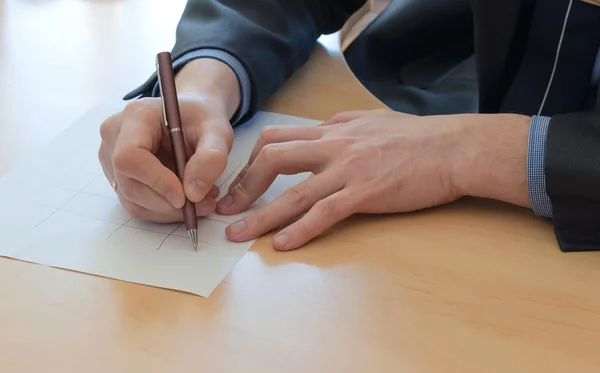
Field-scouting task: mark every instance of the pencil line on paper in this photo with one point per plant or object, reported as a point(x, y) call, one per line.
point(169, 235)
point(231, 175)
point(121, 226)
point(216, 220)
point(98, 195)
point(90, 217)
point(63, 205)
point(46, 218)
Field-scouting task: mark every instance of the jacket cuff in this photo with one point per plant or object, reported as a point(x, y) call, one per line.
point(150, 88)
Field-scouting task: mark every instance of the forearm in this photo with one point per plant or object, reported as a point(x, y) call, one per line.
point(491, 159)
point(211, 78)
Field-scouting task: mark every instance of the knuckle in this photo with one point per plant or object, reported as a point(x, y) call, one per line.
point(107, 129)
point(259, 220)
point(269, 154)
point(242, 190)
point(123, 159)
point(100, 154)
point(144, 109)
point(158, 182)
point(138, 106)
point(104, 158)
point(303, 230)
point(298, 195)
point(327, 206)
point(215, 158)
point(356, 160)
point(340, 142)
point(338, 117)
point(267, 134)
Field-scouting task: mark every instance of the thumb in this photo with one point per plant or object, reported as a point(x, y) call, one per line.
point(206, 165)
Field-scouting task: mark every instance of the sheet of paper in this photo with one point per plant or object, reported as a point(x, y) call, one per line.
point(59, 210)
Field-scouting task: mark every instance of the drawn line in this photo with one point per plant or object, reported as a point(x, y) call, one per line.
point(231, 175)
point(122, 225)
point(100, 219)
point(99, 195)
point(63, 205)
point(169, 235)
point(47, 217)
point(81, 191)
point(216, 220)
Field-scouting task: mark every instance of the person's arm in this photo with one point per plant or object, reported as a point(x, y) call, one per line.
point(564, 173)
point(572, 174)
point(268, 40)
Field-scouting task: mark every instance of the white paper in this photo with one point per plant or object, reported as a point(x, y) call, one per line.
point(57, 209)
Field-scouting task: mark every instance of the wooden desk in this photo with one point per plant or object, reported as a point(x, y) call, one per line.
point(471, 287)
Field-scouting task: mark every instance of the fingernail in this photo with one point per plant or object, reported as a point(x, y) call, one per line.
point(238, 227)
point(226, 201)
point(281, 241)
point(198, 188)
point(175, 199)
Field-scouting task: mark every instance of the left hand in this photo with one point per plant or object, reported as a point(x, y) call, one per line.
point(376, 162)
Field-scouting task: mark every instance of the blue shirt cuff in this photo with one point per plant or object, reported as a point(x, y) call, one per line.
point(536, 178)
point(232, 62)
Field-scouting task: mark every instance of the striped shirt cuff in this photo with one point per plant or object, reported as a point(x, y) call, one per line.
point(536, 178)
point(232, 62)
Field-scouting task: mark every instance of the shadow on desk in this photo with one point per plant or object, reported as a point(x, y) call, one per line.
point(429, 232)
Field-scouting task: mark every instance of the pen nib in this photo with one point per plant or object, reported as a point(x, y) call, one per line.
point(193, 233)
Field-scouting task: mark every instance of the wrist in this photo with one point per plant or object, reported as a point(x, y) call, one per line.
point(212, 79)
point(491, 161)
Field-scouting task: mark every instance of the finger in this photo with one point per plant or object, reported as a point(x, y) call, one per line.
point(214, 192)
point(109, 132)
point(346, 116)
point(142, 195)
point(110, 128)
point(349, 116)
point(204, 208)
point(133, 157)
point(292, 203)
point(208, 162)
point(278, 134)
point(239, 177)
point(104, 156)
point(139, 194)
point(273, 160)
point(322, 216)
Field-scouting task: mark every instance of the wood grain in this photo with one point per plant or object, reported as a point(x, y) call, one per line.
point(475, 286)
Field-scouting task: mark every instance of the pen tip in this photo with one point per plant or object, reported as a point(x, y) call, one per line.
point(193, 233)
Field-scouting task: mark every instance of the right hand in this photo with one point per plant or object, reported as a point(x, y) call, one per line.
point(136, 153)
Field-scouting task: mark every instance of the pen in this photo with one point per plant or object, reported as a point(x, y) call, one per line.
point(172, 119)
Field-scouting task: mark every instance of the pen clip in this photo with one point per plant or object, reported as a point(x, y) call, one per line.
point(160, 87)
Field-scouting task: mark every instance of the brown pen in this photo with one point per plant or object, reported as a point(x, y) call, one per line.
point(172, 119)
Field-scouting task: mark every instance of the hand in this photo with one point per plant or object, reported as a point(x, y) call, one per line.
point(136, 150)
point(376, 162)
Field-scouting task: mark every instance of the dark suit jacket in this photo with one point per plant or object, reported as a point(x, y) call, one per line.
point(419, 56)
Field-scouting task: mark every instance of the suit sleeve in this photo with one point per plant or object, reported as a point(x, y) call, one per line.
point(572, 167)
point(270, 38)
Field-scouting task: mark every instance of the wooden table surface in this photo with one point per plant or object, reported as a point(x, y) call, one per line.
point(470, 287)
